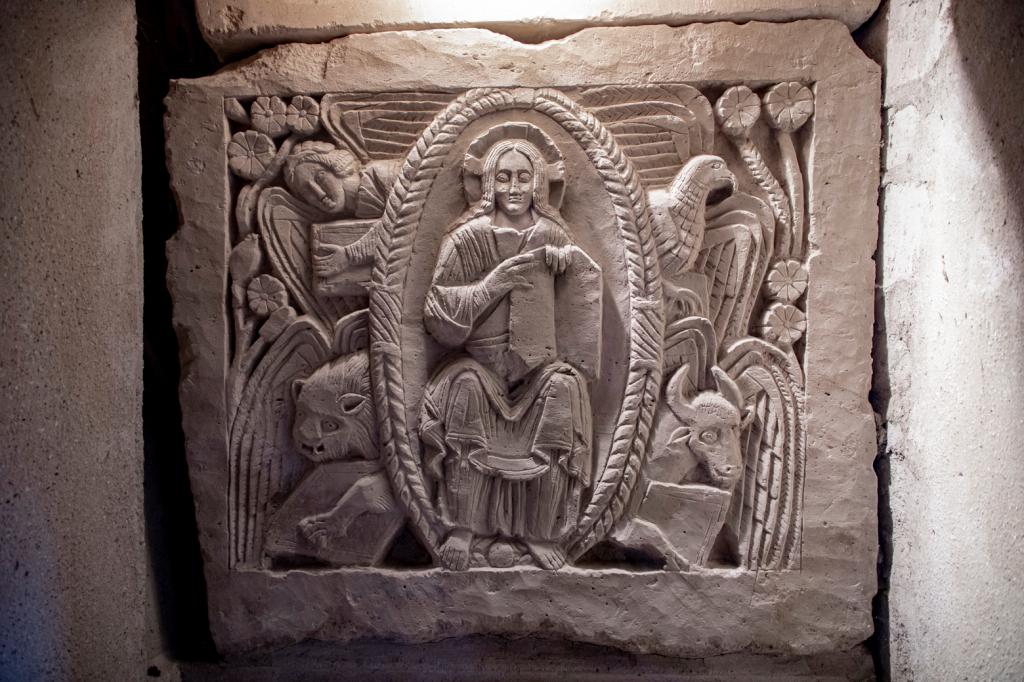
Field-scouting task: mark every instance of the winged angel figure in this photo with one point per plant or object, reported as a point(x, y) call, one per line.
point(723, 476)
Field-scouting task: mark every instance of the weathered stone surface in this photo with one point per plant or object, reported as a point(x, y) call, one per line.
point(949, 361)
point(619, 177)
point(473, 659)
point(74, 599)
point(233, 27)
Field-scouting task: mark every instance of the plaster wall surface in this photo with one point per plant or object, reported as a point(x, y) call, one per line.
point(72, 556)
point(949, 361)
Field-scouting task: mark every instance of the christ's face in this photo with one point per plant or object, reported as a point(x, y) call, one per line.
point(513, 183)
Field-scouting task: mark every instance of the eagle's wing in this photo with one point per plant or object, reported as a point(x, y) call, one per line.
point(764, 521)
point(734, 257)
point(285, 225)
point(659, 127)
point(380, 125)
point(262, 460)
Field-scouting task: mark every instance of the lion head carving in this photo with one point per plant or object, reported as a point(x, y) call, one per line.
point(334, 413)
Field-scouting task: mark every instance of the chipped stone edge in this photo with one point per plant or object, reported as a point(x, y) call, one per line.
point(234, 28)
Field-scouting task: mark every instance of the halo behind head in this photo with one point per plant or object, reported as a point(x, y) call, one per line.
point(473, 164)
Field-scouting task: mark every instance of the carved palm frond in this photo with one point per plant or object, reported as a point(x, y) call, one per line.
point(262, 460)
point(764, 521)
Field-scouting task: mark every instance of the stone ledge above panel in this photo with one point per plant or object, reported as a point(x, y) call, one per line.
point(237, 27)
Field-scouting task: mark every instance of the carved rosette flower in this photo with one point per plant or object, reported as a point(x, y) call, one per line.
point(266, 295)
point(269, 115)
point(303, 115)
point(737, 110)
point(784, 324)
point(787, 106)
point(787, 281)
point(249, 154)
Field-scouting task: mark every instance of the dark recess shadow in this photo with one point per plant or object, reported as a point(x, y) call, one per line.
point(170, 46)
point(868, 38)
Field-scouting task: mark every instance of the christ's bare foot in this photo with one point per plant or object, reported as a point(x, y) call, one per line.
point(455, 550)
point(548, 555)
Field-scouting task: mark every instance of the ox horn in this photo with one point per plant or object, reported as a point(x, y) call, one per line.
point(680, 388)
point(728, 388)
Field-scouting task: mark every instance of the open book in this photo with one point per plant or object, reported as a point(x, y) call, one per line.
point(690, 516)
point(353, 280)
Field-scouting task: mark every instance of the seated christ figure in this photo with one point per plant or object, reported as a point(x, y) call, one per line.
point(506, 423)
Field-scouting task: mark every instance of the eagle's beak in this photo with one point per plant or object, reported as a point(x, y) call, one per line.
point(722, 187)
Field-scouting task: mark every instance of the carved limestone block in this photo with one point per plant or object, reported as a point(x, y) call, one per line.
point(234, 27)
point(473, 343)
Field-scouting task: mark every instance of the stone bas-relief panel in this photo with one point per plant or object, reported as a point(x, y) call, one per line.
point(497, 464)
point(480, 337)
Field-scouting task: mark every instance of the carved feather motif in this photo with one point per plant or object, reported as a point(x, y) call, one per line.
point(734, 257)
point(380, 125)
point(659, 127)
point(765, 517)
point(285, 225)
point(260, 445)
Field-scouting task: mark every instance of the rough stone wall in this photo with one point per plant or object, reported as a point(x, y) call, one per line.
point(72, 554)
point(949, 359)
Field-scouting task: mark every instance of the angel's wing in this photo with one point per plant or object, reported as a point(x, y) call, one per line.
point(659, 127)
point(380, 125)
point(262, 460)
point(734, 257)
point(285, 225)
point(764, 519)
point(352, 333)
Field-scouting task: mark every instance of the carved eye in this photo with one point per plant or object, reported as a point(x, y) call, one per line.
point(524, 176)
point(503, 177)
point(709, 436)
point(320, 175)
point(350, 402)
point(328, 426)
point(717, 165)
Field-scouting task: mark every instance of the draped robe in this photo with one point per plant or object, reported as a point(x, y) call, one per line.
point(507, 432)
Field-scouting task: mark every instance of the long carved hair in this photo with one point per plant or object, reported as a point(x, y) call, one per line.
point(339, 161)
point(539, 188)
